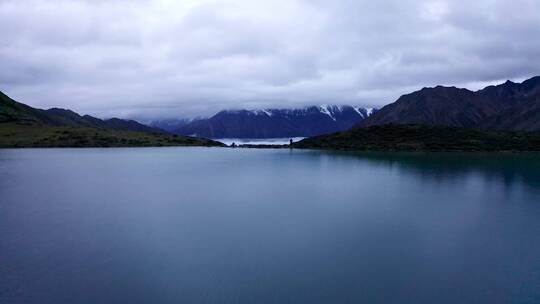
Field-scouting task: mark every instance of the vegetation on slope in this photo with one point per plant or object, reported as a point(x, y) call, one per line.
point(423, 138)
point(24, 126)
point(13, 135)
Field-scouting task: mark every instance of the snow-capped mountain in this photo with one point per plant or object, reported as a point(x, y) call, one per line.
point(274, 123)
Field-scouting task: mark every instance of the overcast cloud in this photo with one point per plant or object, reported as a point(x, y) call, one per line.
point(165, 58)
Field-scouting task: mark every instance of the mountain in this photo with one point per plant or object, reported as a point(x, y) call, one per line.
point(509, 106)
point(405, 137)
point(171, 125)
point(24, 126)
point(274, 123)
point(12, 111)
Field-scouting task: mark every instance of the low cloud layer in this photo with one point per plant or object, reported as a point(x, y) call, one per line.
point(168, 58)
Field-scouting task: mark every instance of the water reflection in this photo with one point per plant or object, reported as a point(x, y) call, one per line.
point(508, 169)
point(194, 225)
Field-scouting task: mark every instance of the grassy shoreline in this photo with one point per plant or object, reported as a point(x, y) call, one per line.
point(389, 138)
point(418, 138)
point(13, 135)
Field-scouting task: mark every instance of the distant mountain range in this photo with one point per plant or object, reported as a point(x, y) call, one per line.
point(24, 126)
point(270, 123)
point(509, 106)
point(495, 118)
point(170, 125)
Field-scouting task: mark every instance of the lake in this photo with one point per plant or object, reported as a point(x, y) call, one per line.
point(217, 225)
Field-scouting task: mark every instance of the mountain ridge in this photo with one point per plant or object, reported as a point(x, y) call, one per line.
point(508, 106)
point(25, 126)
point(273, 123)
point(13, 111)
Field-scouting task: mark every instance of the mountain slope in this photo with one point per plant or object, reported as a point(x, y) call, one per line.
point(170, 125)
point(274, 123)
point(509, 106)
point(13, 111)
point(24, 126)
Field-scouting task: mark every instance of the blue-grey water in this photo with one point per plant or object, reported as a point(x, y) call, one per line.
point(215, 225)
point(259, 141)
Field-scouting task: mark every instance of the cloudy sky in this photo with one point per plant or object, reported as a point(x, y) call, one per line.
point(177, 58)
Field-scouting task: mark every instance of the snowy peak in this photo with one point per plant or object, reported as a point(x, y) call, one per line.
point(269, 123)
point(336, 117)
point(332, 111)
point(328, 110)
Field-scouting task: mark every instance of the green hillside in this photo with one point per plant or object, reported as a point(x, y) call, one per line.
point(423, 138)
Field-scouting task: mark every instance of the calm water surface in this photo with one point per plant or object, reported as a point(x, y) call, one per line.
point(259, 141)
point(213, 225)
